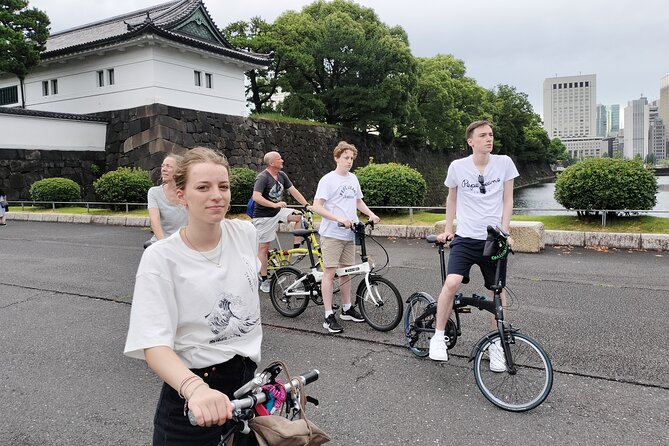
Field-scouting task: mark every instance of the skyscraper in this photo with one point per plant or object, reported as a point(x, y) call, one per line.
point(570, 113)
point(636, 128)
point(657, 139)
point(613, 118)
point(663, 103)
point(602, 121)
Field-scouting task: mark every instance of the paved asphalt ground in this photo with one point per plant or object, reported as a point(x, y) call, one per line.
point(65, 293)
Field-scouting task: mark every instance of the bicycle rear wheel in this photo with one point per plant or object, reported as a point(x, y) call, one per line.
point(289, 296)
point(418, 333)
point(383, 308)
point(526, 387)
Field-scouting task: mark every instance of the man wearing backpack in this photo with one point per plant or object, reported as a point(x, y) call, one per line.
point(271, 209)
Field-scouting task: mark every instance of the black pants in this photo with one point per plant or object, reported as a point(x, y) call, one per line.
point(172, 428)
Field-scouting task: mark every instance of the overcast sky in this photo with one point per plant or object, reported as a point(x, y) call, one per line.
point(514, 42)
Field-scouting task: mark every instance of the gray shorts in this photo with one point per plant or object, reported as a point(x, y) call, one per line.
point(267, 226)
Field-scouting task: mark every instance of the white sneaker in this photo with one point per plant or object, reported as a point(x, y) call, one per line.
point(264, 286)
point(438, 350)
point(496, 354)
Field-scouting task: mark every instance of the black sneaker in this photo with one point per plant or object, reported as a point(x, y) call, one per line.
point(352, 315)
point(332, 325)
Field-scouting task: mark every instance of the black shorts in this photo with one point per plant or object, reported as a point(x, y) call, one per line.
point(465, 252)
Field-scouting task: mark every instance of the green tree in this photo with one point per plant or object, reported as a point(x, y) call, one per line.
point(606, 183)
point(345, 67)
point(512, 113)
point(443, 103)
point(23, 34)
point(257, 36)
point(557, 151)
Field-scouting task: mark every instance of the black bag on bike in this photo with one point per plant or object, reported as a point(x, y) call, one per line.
point(277, 430)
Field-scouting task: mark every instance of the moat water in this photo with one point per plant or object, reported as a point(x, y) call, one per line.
point(541, 196)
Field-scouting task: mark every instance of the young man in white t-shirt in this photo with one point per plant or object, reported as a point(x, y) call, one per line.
point(338, 198)
point(480, 193)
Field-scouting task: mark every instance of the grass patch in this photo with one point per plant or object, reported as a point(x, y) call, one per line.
point(643, 224)
point(281, 118)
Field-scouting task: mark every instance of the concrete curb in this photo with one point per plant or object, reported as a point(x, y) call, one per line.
point(636, 241)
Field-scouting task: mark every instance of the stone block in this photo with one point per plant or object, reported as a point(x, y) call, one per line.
point(613, 239)
point(19, 216)
point(655, 242)
point(141, 222)
point(528, 236)
point(564, 238)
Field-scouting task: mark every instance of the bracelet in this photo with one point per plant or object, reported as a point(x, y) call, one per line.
point(190, 383)
point(202, 383)
point(183, 382)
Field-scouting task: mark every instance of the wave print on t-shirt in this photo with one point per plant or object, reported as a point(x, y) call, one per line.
point(228, 320)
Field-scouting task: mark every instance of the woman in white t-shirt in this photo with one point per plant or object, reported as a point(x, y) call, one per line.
point(166, 214)
point(195, 314)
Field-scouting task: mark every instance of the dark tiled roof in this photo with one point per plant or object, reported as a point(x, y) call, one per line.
point(47, 114)
point(161, 19)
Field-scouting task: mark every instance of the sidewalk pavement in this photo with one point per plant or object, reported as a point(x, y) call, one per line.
point(636, 241)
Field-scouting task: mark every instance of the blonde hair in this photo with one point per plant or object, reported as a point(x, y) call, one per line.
point(195, 156)
point(342, 147)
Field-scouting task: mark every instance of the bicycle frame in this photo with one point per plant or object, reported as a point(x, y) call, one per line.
point(284, 257)
point(365, 267)
point(462, 303)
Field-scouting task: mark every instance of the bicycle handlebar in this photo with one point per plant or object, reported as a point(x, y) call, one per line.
point(493, 232)
point(359, 224)
point(256, 395)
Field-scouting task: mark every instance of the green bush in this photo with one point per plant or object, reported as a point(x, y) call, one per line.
point(606, 183)
point(391, 184)
point(242, 180)
point(55, 189)
point(123, 185)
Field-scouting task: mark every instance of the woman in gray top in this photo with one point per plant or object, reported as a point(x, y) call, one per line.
point(167, 215)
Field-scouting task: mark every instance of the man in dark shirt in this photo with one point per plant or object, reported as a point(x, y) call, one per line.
point(271, 209)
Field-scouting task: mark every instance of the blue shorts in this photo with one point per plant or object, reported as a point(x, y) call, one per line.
point(465, 252)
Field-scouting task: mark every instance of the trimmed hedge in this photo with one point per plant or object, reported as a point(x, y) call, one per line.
point(391, 184)
point(606, 183)
point(123, 185)
point(55, 189)
point(242, 180)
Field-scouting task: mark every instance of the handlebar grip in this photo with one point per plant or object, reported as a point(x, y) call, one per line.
point(431, 238)
point(310, 376)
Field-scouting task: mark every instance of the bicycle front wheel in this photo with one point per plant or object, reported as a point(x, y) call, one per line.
point(289, 296)
point(520, 389)
point(381, 305)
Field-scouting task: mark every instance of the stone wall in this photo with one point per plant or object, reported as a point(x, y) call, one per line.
point(19, 168)
point(141, 137)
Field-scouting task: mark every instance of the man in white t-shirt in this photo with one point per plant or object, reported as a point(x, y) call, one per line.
point(480, 193)
point(338, 198)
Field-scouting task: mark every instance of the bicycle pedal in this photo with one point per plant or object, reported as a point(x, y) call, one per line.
point(465, 310)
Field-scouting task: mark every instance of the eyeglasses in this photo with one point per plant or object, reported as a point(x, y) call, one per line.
point(482, 185)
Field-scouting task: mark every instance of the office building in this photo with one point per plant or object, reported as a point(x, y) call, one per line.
point(570, 113)
point(663, 103)
point(636, 116)
point(613, 118)
point(657, 139)
point(602, 121)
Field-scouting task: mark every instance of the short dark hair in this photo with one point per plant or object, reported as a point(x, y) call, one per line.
point(474, 125)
